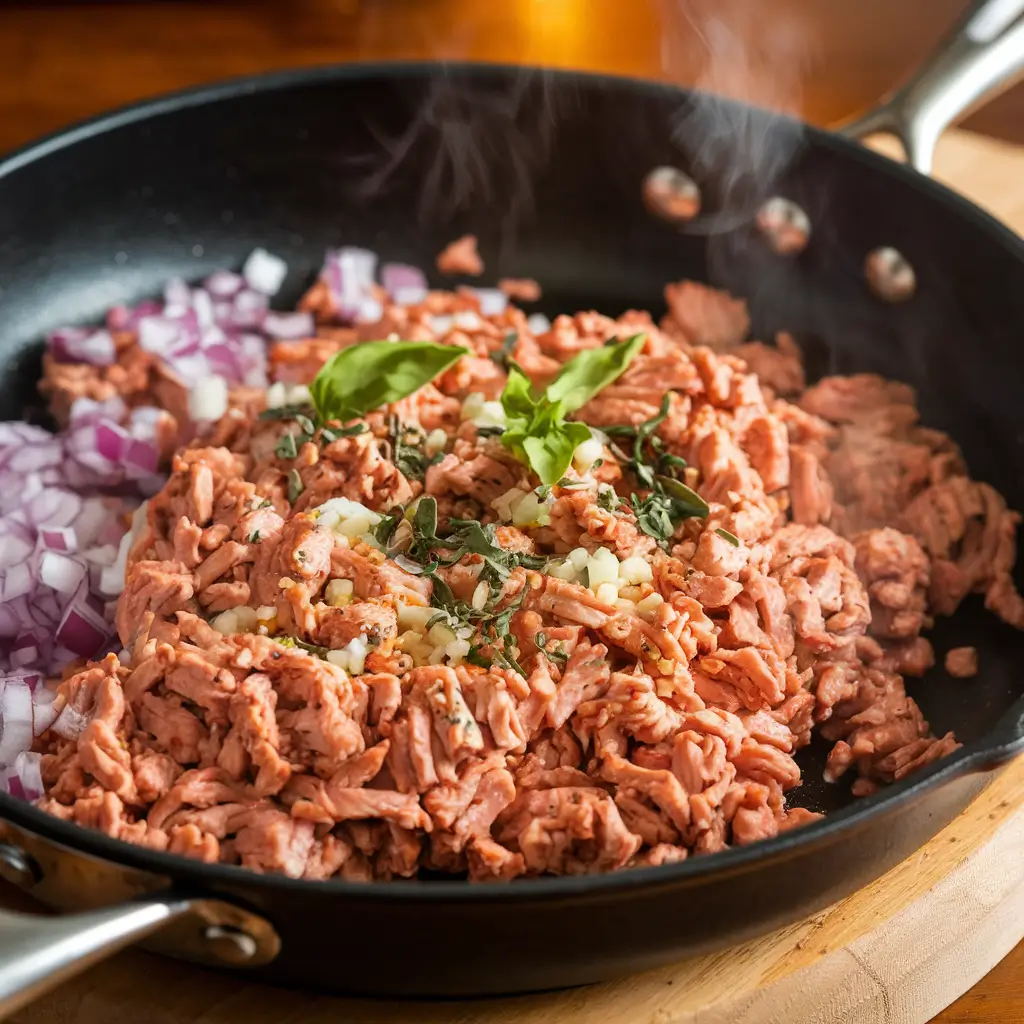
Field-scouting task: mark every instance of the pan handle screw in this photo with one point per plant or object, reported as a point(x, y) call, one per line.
point(889, 274)
point(671, 195)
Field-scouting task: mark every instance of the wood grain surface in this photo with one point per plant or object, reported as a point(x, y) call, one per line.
point(824, 58)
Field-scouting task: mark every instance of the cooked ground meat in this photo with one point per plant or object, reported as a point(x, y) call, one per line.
point(299, 697)
point(962, 662)
point(461, 257)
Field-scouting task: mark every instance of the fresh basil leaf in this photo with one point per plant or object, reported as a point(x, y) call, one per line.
point(295, 486)
point(551, 453)
point(590, 371)
point(517, 398)
point(366, 376)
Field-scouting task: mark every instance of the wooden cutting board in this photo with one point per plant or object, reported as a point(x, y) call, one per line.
point(898, 951)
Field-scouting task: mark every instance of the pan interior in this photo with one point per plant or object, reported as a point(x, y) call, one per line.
point(547, 169)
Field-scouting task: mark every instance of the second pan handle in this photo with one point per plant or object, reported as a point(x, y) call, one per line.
point(980, 57)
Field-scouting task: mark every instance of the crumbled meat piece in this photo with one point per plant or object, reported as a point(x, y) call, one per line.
point(962, 662)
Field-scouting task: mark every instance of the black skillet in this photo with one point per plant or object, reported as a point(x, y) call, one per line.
point(378, 156)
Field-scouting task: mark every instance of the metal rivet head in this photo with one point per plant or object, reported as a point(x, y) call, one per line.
point(232, 945)
point(671, 195)
point(889, 275)
point(17, 867)
point(784, 225)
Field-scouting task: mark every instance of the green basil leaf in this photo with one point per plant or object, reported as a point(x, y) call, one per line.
point(517, 399)
point(590, 371)
point(551, 453)
point(364, 377)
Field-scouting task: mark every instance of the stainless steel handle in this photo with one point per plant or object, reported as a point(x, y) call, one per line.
point(980, 57)
point(38, 952)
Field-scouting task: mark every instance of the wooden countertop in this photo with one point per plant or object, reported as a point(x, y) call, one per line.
point(63, 61)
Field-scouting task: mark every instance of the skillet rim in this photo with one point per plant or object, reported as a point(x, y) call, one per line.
point(1002, 742)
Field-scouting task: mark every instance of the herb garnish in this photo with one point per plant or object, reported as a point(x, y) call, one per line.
point(537, 431)
point(502, 356)
point(730, 537)
point(363, 377)
point(293, 641)
point(407, 450)
point(295, 486)
point(286, 447)
point(647, 456)
point(668, 504)
point(555, 654)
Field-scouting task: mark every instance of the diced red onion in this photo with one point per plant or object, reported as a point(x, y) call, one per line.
point(15, 719)
point(222, 284)
point(202, 304)
point(248, 308)
point(58, 538)
point(264, 272)
point(349, 275)
point(18, 581)
point(289, 326)
point(405, 284)
point(61, 573)
point(18, 433)
point(177, 297)
point(538, 323)
point(440, 324)
point(85, 410)
point(492, 301)
point(14, 549)
point(370, 310)
point(82, 630)
point(26, 771)
point(82, 345)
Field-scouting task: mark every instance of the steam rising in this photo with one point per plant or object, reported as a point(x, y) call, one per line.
point(734, 151)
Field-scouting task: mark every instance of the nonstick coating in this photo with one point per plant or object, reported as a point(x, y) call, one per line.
point(546, 168)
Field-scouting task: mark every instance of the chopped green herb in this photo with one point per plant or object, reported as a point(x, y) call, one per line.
point(295, 486)
point(285, 448)
point(607, 499)
point(660, 513)
point(730, 537)
point(476, 657)
point(385, 529)
point(331, 434)
point(285, 412)
point(305, 424)
point(254, 537)
point(363, 377)
point(502, 355)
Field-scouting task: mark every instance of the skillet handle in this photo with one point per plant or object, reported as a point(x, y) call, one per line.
point(38, 952)
point(981, 56)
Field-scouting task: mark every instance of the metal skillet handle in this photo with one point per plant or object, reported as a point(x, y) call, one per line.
point(983, 55)
point(38, 952)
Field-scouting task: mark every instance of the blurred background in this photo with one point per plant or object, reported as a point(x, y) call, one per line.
point(822, 59)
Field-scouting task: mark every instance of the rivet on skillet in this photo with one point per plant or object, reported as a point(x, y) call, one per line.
point(232, 945)
point(671, 195)
point(17, 867)
point(889, 275)
point(784, 225)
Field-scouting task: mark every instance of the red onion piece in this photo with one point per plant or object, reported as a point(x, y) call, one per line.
point(492, 301)
point(289, 326)
point(26, 769)
point(222, 284)
point(15, 719)
point(349, 275)
point(58, 538)
point(82, 345)
point(70, 723)
point(82, 629)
